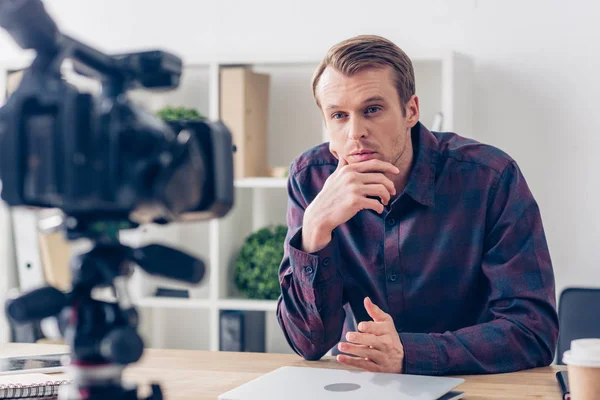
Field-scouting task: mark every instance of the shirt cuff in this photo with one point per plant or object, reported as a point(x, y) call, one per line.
point(420, 354)
point(313, 268)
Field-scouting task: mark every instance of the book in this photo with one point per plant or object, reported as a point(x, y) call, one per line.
point(27, 252)
point(31, 386)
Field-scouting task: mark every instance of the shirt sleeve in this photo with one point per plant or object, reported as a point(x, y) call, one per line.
point(309, 310)
point(520, 328)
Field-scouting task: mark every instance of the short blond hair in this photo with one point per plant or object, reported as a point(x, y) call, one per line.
point(369, 51)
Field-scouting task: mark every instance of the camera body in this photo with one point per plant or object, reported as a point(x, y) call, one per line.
point(100, 156)
point(103, 155)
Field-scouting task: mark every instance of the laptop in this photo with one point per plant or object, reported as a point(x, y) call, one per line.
point(302, 383)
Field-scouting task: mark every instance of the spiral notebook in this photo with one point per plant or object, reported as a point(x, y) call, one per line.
point(31, 386)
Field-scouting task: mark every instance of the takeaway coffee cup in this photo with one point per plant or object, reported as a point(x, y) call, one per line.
point(583, 361)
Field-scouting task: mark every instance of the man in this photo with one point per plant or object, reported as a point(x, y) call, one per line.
point(432, 242)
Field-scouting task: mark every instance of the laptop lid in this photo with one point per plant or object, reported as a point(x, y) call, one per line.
point(302, 383)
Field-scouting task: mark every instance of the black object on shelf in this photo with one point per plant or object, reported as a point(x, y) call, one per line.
point(167, 292)
point(242, 331)
point(25, 332)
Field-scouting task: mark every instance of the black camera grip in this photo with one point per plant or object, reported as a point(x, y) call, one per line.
point(37, 304)
point(169, 263)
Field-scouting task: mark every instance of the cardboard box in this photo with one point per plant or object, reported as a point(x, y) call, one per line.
point(244, 104)
point(55, 252)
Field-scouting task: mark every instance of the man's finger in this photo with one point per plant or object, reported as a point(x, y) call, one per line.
point(365, 203)
point(361, 363)
point(375, 312)
point(361, 351)
point(378, 177)
point(367, 339)
point(341, 162)
point(374, 328)
point(375, 165)
point(378, 190)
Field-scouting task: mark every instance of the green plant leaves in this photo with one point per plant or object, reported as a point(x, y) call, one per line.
point(257, 265)
point(170, 113)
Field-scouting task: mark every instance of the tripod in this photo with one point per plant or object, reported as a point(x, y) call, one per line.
point(102, 335)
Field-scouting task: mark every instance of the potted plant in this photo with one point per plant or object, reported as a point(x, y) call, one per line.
point(256, 270)
point(173, 113)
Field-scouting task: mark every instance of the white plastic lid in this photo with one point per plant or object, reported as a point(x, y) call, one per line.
point(583, 353)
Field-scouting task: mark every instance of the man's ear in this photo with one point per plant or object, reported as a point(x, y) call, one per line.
point(412, 111)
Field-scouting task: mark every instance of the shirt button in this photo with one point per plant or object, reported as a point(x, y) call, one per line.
point(308, 269)
point(326, 262)
point(391, 222)
point(393, 277)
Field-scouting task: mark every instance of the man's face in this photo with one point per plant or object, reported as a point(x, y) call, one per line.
point(363, 115)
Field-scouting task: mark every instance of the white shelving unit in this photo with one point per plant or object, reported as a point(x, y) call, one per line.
point(444, 84)
point(261, 183)
point(250, 305)
point(165, 302)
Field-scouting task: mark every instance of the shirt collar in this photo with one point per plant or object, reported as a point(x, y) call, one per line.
point(421, 181)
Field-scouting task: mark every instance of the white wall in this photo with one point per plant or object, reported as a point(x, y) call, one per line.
point(538, 89)
point(537, 82)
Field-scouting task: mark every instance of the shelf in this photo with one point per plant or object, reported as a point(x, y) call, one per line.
point(224, 304)
point(261, 183)
point(172, 302)
point(246, 304)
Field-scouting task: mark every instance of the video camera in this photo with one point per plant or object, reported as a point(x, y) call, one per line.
point(104, 157)
point(108, 165)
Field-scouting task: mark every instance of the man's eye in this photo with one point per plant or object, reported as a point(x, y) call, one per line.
point(337, 116)
point(371, 110)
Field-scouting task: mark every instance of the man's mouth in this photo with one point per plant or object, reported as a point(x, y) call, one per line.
point(362, 155)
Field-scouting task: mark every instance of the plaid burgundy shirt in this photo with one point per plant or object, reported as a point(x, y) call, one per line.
point(459, 260)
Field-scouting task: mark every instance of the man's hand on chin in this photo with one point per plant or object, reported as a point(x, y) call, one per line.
point(377, 345)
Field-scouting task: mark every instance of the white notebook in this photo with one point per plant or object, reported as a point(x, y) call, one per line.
point(31, 386)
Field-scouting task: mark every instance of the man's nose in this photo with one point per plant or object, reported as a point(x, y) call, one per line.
point(356, 128)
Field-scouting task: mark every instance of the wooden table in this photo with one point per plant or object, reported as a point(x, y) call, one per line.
point(196, 375)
